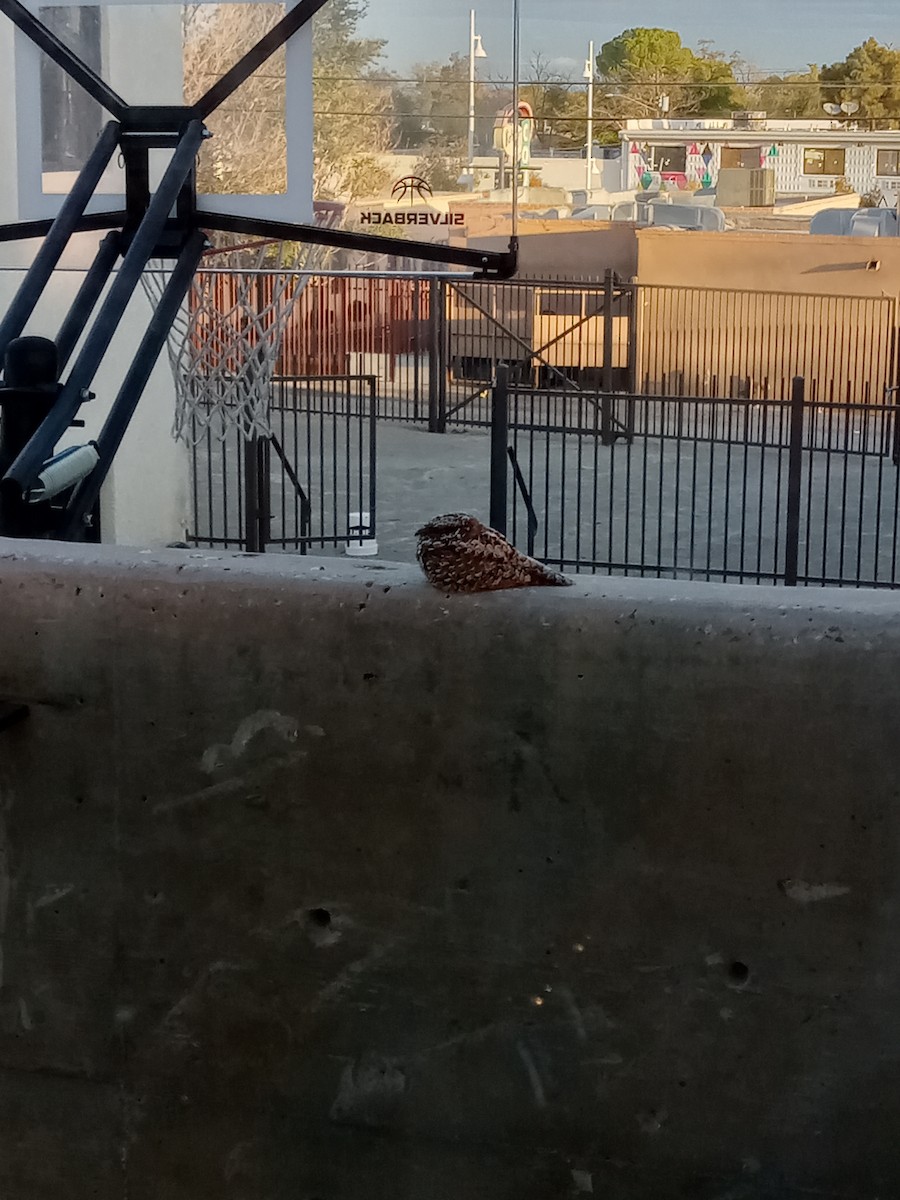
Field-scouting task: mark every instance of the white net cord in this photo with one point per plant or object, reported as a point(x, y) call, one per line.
point(224, 345)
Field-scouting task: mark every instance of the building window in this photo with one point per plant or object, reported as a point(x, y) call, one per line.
point(71, 120)
point(669, 160)
point(823, 160)
point(746, 158)
point(888, 162)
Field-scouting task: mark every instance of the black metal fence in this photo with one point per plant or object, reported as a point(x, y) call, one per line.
point(651, 431)
point(309, 486)
point(434, 344)
point(722, 489)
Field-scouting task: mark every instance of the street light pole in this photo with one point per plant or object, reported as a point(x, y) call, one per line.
point(476, 50)
point(589, 156)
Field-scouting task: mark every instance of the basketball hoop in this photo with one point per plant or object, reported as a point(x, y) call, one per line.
point(226, 340)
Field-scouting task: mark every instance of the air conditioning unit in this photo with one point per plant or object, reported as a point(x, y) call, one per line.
point(741, 187)
point(749, 120)
point(762, 187)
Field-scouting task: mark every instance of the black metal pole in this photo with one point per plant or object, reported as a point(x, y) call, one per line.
point(607, 436)
point(133, 384)
point(488, 264)
point(435, 299)
point(373, 457)
point(31, 374)
point(795, 479)
point(633, 295)
point(41, 446)
point(22, 231)
point(88, 294)
point(441, 350)
point(265, 493)
point(251, 495)
point(499, 443)
point(45, 261)
point(64, 57)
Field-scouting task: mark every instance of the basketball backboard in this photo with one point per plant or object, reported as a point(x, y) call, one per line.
point(259, 159)
point(418, 103)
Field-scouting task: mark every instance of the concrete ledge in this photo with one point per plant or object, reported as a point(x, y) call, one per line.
point(315, 882)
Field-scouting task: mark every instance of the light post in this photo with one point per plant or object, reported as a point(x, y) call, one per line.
point(476, 50)
point(589, 76)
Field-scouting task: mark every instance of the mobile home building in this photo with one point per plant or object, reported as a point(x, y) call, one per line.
point(807, 157)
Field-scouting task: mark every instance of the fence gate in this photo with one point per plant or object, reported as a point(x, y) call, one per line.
point(551, 335)
point(309, 487)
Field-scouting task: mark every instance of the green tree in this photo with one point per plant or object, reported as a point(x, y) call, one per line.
point(433, 110)
point(352, 112)
point(442, 167)
point(248, 150)
point(794, 97)
point(559, 104)
point(644, 63)
point(869, 75)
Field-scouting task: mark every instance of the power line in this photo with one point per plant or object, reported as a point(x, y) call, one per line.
point(568, 85)
point(768, 82)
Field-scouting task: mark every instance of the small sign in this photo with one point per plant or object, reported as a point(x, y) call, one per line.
point(418, 192)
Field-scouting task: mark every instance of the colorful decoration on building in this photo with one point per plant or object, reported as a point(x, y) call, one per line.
point(505, 133)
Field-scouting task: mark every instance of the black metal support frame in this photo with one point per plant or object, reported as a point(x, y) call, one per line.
point(164, 224)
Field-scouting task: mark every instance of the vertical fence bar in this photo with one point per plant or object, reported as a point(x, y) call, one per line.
point(606, 423)
point(373, 455)
point(416, 344)
point(795, 479)
point(634, 295)
point(499, 443)
point(437, 372)
point(264, 475)
point(251, 496)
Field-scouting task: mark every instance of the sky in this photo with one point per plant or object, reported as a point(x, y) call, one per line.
point(777, 35)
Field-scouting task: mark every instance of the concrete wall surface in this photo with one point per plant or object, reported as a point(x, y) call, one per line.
point(317, 883)
point(787, 262)
point(571, 250)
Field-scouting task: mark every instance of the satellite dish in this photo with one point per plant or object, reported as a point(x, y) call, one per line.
point(833, 110)
point(850, 107)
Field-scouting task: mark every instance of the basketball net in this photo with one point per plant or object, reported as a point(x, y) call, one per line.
point(224, 345)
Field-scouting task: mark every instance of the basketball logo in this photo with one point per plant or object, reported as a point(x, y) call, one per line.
point(412, 186)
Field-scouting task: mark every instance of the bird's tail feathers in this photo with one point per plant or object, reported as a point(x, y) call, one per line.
point(544, 576)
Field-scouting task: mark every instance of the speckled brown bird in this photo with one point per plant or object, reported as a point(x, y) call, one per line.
point(459, 554)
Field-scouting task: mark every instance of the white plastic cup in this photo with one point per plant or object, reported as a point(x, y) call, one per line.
point(361, 543)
